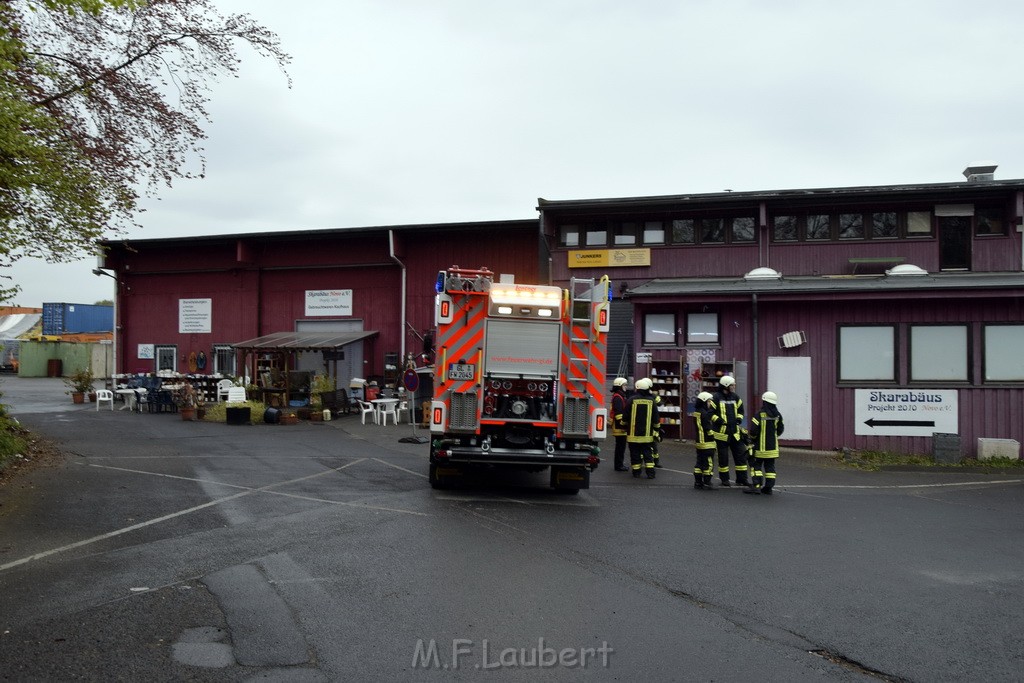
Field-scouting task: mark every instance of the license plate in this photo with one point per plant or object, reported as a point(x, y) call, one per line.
point(462, 371)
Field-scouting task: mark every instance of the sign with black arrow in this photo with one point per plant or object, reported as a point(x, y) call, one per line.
point(906, 412)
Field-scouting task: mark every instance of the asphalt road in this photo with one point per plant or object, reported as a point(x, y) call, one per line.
point(169, 550)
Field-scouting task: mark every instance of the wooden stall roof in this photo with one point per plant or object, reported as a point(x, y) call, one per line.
point(303, 341)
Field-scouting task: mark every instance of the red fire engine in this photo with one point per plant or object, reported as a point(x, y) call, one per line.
point(519, 377)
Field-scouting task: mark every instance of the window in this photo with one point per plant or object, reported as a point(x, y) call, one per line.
point(166, 358)
point(223, 360)
point(660, 328)
point(569, 236)
point(919, 223)
point(712, 230)
point(654, 232)
point(883, 224)
point(851, 226)
point(989, 221)
point(819, 226)
point(625, 234)
point(939, 353)
point(683, 231)
point(784, 229)
point(1003, 360)
point(702, 328)
point(596, 235)
point(867, 353)
point(743, 229)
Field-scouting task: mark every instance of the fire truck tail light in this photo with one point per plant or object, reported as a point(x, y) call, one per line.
point(599, 423)
point(445, 309)
point(603, 319)
point(505, 310)
point(438, 416)
point(544, 312)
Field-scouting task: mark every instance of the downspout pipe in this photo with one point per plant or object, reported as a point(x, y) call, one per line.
point(755, 384)
point(402, 307)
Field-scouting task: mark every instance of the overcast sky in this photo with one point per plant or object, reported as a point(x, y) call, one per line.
point(405, 111)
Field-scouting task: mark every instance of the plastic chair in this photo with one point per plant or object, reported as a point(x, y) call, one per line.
point(104, 395)
point(236, 395)
point(388, 409)
point(367, 409)
point(403, 407)
point(223, 387)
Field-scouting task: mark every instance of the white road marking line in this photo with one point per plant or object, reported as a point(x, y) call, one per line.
point(385, 462)
point(179, 513)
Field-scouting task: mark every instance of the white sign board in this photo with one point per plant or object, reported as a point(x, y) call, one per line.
point(195, 316)
point(147, 352)
point(906, 412)
point(328, 302)
point(643, 357)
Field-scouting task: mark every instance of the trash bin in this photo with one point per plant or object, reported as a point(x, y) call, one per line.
point(271, 416)
point(946, 447)
point(238, 416)
point(54, 367)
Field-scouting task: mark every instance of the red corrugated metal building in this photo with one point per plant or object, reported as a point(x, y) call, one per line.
point(880, 315)
point(185, 301)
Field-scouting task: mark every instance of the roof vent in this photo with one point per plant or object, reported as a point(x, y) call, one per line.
point(763, 274)
point(906, 270)
point(980, 171)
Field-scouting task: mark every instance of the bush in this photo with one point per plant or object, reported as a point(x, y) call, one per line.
point(11, 441)
point(217, 412)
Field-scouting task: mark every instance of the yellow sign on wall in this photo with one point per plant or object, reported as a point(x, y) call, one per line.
point(609, 258)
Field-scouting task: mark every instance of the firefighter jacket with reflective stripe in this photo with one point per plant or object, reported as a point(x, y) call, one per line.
point(705, 419)
point(730, 414)
point(641, 417)
point(618, 413)
point(765, 429)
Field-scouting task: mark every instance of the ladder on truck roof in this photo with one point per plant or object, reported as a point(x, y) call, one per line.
point(582, 295)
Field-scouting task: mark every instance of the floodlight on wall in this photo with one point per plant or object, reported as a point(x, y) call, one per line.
point(791, 340)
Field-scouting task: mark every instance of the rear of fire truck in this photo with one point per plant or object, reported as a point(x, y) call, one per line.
point(519, 377)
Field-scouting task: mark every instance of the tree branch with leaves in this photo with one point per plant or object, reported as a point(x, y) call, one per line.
point(103, 102)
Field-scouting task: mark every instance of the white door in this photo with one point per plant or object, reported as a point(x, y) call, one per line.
point(790, 378)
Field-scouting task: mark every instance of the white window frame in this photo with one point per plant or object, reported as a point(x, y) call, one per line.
point(867, 353)
point(702, 329)
point(660, 329)
point(161, 349)
point(939, 353)
point(1002, 361)
point(217, 369)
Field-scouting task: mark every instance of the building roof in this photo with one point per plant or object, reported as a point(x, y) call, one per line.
point(783, 286)
point(304, 341)
point(918, 190)
point(318, 233)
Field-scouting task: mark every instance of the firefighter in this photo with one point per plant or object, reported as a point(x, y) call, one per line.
point(642, 420)
point(618, 422)
point(655, 456)
point(728, 434)
point(705, 418)
point(765, 429)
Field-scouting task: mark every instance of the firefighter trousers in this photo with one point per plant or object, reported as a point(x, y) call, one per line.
point(764, 473)
point(641, 458)
point(620, 451)
point(703, 469)
point(739, 459)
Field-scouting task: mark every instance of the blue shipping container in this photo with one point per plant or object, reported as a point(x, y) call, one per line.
point(74, 318)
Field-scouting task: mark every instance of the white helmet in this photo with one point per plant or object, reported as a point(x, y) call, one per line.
point(619, 382)
point(727, 381)
point(704, 396)
point(643, 384)
point(770, 397)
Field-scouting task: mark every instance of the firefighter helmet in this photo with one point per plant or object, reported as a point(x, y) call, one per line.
point(727, 381)
point(704, 396)
point(619, 382)
point(643, 384)
point(770, 397)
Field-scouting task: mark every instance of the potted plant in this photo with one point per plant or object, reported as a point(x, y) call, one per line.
point(79, 384)
point(188, 401)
